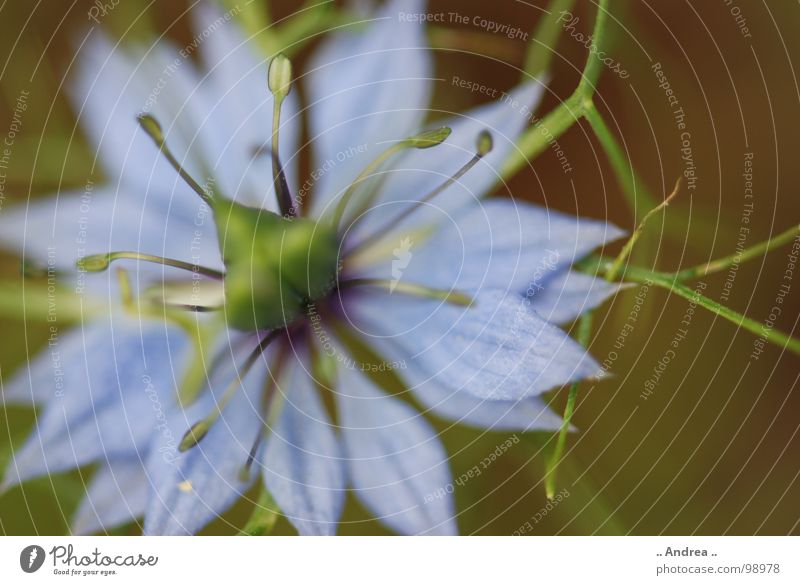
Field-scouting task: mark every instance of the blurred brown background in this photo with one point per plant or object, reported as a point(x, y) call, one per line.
point(714, 449)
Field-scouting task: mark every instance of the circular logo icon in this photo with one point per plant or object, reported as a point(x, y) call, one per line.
point(31, 558)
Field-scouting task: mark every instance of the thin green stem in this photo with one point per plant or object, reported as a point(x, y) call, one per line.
point(584, 334)
point(616, 266)
point(594, 64)
point(671, 283)
point(637, 195)
point(579, 105)
point(545, 37)
point(542, 134)
point(756, 251)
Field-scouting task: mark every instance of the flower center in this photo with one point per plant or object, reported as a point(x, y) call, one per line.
point(274, 266)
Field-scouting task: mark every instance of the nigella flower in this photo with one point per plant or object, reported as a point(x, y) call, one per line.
point(310, 303)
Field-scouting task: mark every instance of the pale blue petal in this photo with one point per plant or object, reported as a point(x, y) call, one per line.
point(35, 383)
point(366, 88)
point(529, 414)
point(57, 231)
point(496, 349)
point(419, 172)
point(193, 488)
point(302, 464)
point(500, 244)
point(116, 495)
point(110, 88)
point(106, 405)
point(113, 85)
point(568, 295)
point(395, 459)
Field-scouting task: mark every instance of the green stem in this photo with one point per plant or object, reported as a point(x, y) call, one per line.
point(543, 45)
point(616, 266)
point(537, 138)
point(750, 253)
point(584, 334)
point(580, 105)
point(542, 134)
point(670, 282)
point(636, 193)
point(594, 65)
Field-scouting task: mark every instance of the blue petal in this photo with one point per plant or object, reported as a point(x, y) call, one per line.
point(500, 244)
point(107, 403)
point(418, 172)
point(35, 383)
point(365, 89)
point(116, 495)
point(212, 125)
point(110, 88)
point(496, 349)
point(191, 489)
point(302, 462)
point(57, 231)
point(529, 414)
point(568, 295)
point(396, 461)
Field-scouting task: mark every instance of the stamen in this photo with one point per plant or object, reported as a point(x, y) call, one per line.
point(421, 141)
point(244, 472)
point(267, 400)
point(100, 262)
point(483, 147)
point(279, 80)
point(200, 429)
point(413, 289)
point(153, 129)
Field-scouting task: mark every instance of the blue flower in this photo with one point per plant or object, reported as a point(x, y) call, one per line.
point(454, 295)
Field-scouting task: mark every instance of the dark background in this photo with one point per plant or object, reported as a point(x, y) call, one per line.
point(714, 449)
